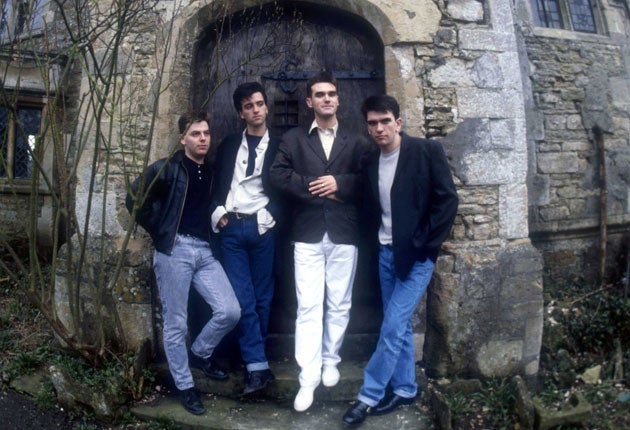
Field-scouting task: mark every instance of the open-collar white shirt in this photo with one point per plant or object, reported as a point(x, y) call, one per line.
point(246, 193)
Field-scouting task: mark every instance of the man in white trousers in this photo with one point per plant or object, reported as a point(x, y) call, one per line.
point(318, 170)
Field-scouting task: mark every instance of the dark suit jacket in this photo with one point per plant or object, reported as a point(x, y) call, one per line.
point(300, 160)
point(423, 198)
point(224, 170)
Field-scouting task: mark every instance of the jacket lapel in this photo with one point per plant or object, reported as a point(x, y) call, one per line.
point(372, 173)
point(339, 144)
point(402, 161)
point(316, 145)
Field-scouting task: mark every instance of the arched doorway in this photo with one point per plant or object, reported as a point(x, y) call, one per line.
point(281, 47)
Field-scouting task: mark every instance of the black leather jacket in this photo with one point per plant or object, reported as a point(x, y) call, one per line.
point(162, 209)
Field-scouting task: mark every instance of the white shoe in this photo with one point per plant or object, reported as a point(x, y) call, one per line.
point(304, 399)
point(330, 376)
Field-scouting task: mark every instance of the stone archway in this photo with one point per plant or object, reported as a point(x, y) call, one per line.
point(295, 42)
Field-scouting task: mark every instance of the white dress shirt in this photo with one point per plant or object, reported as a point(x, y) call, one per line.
point(246, 193)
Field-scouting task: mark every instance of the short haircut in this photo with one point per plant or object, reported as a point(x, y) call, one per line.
point(191, 117)
point(381, 103)
point(323, 76)
point(245, 91)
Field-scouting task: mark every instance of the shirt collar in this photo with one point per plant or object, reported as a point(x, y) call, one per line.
point(315, 126)
point(262, 145)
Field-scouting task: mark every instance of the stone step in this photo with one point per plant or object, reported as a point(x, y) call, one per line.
point(284, 388)
point(262, 414)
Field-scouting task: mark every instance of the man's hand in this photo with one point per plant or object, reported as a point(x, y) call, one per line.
point(324, 186)
point(223, 221)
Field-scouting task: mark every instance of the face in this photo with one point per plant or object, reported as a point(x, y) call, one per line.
point(324, 100)
point(254, 110)
point(384, 129)
point(196, 141)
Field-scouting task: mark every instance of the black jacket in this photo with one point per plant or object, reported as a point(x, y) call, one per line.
point(161, 211)
point(423, 198)
point(224, 171)
point(300, 160)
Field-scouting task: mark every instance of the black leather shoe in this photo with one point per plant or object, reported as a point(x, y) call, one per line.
point(257, 380)
point(356, 414)
point(191, 401)
point(391, 403)
point(209, 367)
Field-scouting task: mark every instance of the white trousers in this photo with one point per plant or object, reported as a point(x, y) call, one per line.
point(323, 271)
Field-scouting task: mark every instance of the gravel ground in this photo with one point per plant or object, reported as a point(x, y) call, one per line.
point(19, 412)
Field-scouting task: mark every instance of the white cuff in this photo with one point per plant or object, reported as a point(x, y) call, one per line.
point(265, 221)
point(216, 216)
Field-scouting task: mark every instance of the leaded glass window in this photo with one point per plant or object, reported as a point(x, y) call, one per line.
point(582, 15)
point(576, 15)
point(19, 134)
point(21, 18)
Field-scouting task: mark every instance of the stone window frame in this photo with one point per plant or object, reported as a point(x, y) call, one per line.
point(565, 19)
point(7, 181)
point(21, 19)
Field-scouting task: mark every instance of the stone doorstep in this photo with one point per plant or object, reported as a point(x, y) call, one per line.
point(285, 386)
point(272, 408)
point(223, 413)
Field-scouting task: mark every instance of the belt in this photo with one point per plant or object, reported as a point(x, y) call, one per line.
point(239, 215)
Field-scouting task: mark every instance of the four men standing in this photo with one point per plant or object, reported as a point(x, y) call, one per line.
point(322, 172)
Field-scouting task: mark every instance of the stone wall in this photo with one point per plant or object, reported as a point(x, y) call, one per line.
point(579, 83)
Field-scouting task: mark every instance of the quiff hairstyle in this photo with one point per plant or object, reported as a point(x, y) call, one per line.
point(245, 91)
point(381, 103)
point(191, 117)
point(323, 76)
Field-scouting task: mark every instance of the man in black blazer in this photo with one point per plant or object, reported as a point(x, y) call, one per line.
point(244, 212)
point(318, 171)
point(410, 185)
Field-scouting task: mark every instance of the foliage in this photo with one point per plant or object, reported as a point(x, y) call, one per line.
point(582, 327)
point(590, 321)
point(45, 397)
point(490, 407)
point(163, 423)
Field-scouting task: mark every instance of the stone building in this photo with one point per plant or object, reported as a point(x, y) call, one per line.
point(526, 97)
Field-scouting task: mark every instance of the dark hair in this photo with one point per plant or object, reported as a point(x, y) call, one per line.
point(381, 103)
point(323, 76)
point(245, 91)
point(187, 119)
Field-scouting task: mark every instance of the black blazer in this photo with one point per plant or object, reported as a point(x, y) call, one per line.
point(300, 160)
point(423, 198)
point(224, 170)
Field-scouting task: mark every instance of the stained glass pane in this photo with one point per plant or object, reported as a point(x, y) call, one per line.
point(4, 130)
point(26, 136)
point(549, 13)
point(582, 15)
point(5, 13)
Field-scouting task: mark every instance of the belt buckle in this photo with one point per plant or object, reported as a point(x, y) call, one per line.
point(238, 215)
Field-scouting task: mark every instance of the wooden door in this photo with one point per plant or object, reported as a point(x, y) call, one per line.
point(282, 47)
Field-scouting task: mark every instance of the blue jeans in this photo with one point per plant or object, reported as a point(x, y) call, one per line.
point(248, 261)
point(393, 361)
point(192, 263)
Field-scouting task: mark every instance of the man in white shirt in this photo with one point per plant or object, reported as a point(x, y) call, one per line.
point(244, 213)
point(318, 170)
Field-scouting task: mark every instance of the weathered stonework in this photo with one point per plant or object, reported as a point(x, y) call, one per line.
point(574, 90)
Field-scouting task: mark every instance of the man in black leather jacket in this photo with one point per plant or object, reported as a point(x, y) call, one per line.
point(171, 202)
